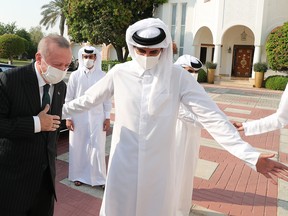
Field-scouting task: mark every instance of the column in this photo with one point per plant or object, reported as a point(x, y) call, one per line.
point(217, 58)
point(256, 57)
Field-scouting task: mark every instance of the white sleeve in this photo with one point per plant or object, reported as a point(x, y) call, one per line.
point(95, 95)
point(215, 121)
point(187, 116)
point(71, 87)
point(262, 125)
point(272, 122)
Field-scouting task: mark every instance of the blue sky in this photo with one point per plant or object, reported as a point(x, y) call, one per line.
point(26, 14)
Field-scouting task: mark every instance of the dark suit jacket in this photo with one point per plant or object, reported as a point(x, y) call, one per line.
point(24, 155)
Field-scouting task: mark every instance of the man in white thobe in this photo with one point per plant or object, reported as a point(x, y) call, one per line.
point(277, 120)
point(87, 135)
point(188, 134)
point(147, 93)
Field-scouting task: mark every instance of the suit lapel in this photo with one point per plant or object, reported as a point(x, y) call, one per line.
point(55, 99)
point(32, 88)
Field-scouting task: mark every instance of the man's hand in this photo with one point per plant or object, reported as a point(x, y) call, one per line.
point(48, 122)
point(106, 125)
point(239, 126)
point(270, 168)
point(70, 124)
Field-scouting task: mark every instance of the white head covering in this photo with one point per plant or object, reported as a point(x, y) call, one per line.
point(151, 30)
point(188, 60)
point(88, 50)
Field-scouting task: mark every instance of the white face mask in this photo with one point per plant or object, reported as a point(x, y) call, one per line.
point(147, 62)
point(53, 75)
point(88, 63)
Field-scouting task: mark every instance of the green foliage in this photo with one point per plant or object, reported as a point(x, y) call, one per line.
point(32, 37)
point(53, 11)
point(276, 48)
point(107, 65)
point(276, 82)
point(8, 28)
point(11, 45)
point(210, 65)
point(30, 48)
point(36, 34)
point(202, 76)
point(106, 21)
point(260, 67)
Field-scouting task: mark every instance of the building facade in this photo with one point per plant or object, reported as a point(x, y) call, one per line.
point(230, 33)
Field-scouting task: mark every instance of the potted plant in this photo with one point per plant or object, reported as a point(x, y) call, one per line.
point(211, 67)
point(260, 68)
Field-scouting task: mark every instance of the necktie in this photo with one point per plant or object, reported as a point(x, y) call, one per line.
point(46, 96)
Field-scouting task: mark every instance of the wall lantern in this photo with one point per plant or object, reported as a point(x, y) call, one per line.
point(243, 35)
point(229, 50)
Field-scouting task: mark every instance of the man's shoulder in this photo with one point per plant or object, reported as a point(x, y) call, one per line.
point(123, 66)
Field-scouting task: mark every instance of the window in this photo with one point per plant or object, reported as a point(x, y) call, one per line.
point(182, 31)
point(173, 24)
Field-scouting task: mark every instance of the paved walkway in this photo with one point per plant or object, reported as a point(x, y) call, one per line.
point(223, 184)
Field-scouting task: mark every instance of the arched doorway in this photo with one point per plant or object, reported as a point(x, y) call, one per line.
point(242, 60)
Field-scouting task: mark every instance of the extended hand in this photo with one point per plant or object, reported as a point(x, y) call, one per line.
point(48, 122)
point(239, 126)
point(69, 124)
point(270, 168)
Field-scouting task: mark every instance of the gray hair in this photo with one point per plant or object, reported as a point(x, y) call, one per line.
point(60, 41)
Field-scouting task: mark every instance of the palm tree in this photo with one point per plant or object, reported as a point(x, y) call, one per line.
point(51, 13)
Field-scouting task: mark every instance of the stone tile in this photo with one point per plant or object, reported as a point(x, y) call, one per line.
point(233, 110)
point(282, 198)
point(205, 169)
point(93, 191)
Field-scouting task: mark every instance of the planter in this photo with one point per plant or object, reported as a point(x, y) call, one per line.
point(210, 75)
point(259, 77)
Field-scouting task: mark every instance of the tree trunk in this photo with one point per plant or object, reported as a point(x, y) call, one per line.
point(62, 25)
point(126, 53)
point(119, 53)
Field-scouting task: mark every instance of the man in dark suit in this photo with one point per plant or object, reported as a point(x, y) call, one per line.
point(28, 129)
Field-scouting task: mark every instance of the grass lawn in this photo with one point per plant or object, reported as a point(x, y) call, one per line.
point(16, 62)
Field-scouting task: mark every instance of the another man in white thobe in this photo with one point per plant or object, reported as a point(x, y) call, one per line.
point(277, 120)
point(87, 136)
point(147, 92)
point(188, 134)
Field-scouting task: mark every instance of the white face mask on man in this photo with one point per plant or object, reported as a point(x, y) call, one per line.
point(147, 62)
point(53, 75)
point(88, 63)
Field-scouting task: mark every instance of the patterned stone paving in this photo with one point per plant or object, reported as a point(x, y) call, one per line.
point(229, 188)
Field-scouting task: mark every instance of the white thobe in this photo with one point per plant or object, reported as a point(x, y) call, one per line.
point(188, 134)
point(141, 169)
point(277, 120)
point(87, 141)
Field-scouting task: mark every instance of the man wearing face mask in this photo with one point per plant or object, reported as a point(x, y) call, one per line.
point(147, 92)
point(28, 129)
point(87, 136)
point(188, 134)
point(190, 63)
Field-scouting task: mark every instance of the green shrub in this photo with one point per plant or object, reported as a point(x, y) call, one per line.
point(276, 82)
point(107, 65)
point(202, 76)
point(210, 65)
point(276, 48)
point(11, 46)
point(260, 67)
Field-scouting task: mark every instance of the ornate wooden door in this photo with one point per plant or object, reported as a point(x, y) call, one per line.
point(242, 61)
